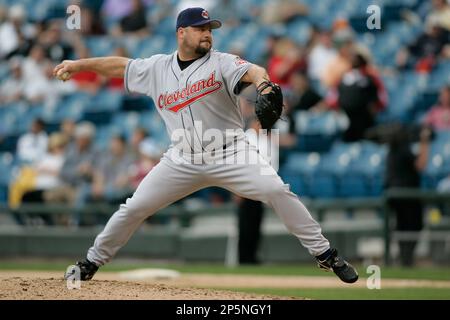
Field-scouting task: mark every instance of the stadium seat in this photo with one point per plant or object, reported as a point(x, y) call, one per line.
point(323, 185)
point(136, 103)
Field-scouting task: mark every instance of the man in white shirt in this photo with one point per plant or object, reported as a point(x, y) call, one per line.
point(33, 145)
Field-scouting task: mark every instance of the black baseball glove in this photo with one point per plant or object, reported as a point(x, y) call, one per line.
point(268, 106)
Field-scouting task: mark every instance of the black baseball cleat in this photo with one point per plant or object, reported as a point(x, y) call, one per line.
point(344, 270)
point(87, 270)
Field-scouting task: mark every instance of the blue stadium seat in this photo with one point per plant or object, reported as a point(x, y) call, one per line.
point(323, 185)
point(105, 100)
point(100, 45)
point(353, 184)
point(138, 103)
point(296, 181)
point(97, 117)
point(306, 163)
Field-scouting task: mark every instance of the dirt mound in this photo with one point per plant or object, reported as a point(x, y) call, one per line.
point(28, 288)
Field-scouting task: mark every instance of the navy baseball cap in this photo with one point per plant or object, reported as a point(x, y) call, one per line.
point(195, 17)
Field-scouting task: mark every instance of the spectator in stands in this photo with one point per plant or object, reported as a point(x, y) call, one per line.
point(92, 20)
point(55, 47)
point(282, 11)
point(135, 22)
point(15, 33)
point(138, 135)
point(424, 52)
point(439, 14)
point(438, 117)
point(149, 156)
point(33, 68)
point(322, 52)
point(11, 89)
point(287, 59)
point(304, 96)
point(47, 177)
point(360, 94)
point(33, 145)
point(78, 167)
point(403, 171)
point(114, 10)
point(333, 71)
point(67, 129)
point(110, 177)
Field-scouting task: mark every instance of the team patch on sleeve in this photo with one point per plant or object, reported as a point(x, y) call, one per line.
point(239, 61)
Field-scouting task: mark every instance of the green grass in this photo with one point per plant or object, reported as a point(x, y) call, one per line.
point(357, 293)
point(424, 273)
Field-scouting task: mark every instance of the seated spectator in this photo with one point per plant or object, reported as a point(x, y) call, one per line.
point(134, 23)
point(114, 10)
point(47, 170)
point(32, 145)
point(305, 97)
point(438, 117)
point(67, 129)
point(40, 86)
point(334, 70)
point(149, 156)
point(92, 20)
point(321, 54)
point(15, 33)
point(282, 11)
point(440, 14)
point(286, 60)
point(11, 89)
point(360, 94)
point(139, 135)
point(78, 167)
point(56, 48)
point(110, 178)
point(33, 68)
point(424, 52)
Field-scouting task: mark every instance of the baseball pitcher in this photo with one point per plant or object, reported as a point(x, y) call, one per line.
point(197, 86)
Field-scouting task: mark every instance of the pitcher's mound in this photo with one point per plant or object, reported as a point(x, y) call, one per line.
point(37, 288)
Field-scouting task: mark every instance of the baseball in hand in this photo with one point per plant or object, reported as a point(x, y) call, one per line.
point(65, 76)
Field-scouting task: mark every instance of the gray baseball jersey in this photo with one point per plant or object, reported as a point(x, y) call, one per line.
point(204, 92)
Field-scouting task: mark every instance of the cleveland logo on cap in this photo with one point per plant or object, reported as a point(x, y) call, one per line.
point(205, 14)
